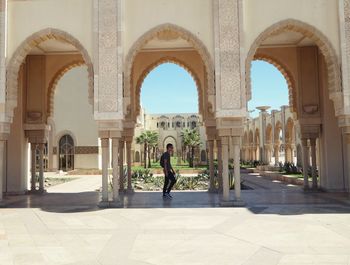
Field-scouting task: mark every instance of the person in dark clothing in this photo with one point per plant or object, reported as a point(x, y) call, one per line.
point(169, 173)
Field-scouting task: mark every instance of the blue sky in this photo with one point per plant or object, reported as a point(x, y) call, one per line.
point(170, 89)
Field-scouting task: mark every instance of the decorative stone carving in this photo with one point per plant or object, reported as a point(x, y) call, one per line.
point(108, 60)
point(2, 62)
point(345, 39)
point(227, 21)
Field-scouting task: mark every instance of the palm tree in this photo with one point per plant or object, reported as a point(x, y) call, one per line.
point(191, 139)
point(149, 139)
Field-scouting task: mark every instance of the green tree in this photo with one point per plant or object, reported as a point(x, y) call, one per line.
point(149, 139)
point(191, 139)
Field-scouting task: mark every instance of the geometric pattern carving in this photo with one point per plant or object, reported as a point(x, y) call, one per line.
point(81, 150)
point(22, 52)
point(324, 45)
point(109, 57)
point(228, 55)
point(346, 56)
point(2, 61)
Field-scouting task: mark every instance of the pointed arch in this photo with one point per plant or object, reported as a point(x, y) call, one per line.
point(324, 45)
point(182, 33)
point(24, 49)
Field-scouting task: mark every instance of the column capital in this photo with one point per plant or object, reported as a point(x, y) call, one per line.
point(104, 142)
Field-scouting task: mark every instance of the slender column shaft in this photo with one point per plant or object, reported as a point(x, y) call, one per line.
point(219, 146)
point(277, 157)
point(121, 166)
point(33, 167)
point(41, 167)
point(306, 159)
point(105, 163)
point(237, 171)
point(347, 156)
point(128, 160)
point(211, 165)
point(2, 166)
point(115, 164)
point(313, 160)
point(225, 172)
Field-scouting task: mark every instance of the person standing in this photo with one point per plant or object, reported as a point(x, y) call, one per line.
point(169, 173)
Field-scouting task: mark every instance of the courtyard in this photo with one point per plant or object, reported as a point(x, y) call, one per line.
point(280, 224)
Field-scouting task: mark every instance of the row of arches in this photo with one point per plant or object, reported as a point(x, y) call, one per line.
point(205, 88)
point(198, 62)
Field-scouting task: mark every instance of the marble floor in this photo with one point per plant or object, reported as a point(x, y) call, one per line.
point(280, 224)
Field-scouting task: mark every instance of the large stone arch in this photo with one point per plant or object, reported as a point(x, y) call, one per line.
point(324, 45)
point(161, 61)
point(53, 84)
point(168, 29)
point(23, 50)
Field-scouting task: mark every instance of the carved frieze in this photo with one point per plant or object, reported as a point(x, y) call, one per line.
point(228, 55)
point(109, 57)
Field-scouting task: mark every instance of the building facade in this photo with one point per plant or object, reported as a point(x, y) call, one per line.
point(121, 41)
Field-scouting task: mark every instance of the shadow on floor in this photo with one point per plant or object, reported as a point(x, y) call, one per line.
point(257, 201)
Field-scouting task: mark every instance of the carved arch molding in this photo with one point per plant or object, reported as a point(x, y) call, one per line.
point(23, 50)
point(324, 45)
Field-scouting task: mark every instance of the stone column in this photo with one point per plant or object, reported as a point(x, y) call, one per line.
point(211, 165)
point(33, 166)
point(277, 157)
point(105, 165)
point(41, 147)
point(121, 166)
point(306, 162)
point(116, 172)
point(347, 157)
point(128, 160)
point(219, 147)
point(237, 171)
point(2, 167)
point(314, 165)
point(225, 171)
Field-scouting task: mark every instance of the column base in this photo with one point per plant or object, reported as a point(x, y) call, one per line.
point(110, 204)
point(213, 190)
point(130, 191)
point(115, 204)
point(234, 203)
point(36, 192)
point(2, 204)
point(227, 204)
point(239, 203)
point(103, 204)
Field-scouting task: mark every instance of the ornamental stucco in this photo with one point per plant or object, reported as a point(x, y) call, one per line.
point(108, 59)
point(227, 55)
point(2, 62)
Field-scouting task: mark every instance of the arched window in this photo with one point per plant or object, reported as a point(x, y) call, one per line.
point(66, 153)
point(193, 125)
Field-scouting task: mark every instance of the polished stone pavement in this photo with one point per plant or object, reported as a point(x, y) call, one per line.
point(279, 225)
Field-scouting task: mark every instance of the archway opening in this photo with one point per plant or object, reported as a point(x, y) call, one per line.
point(309, 63)
point(179, 110)
point(33, 73)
